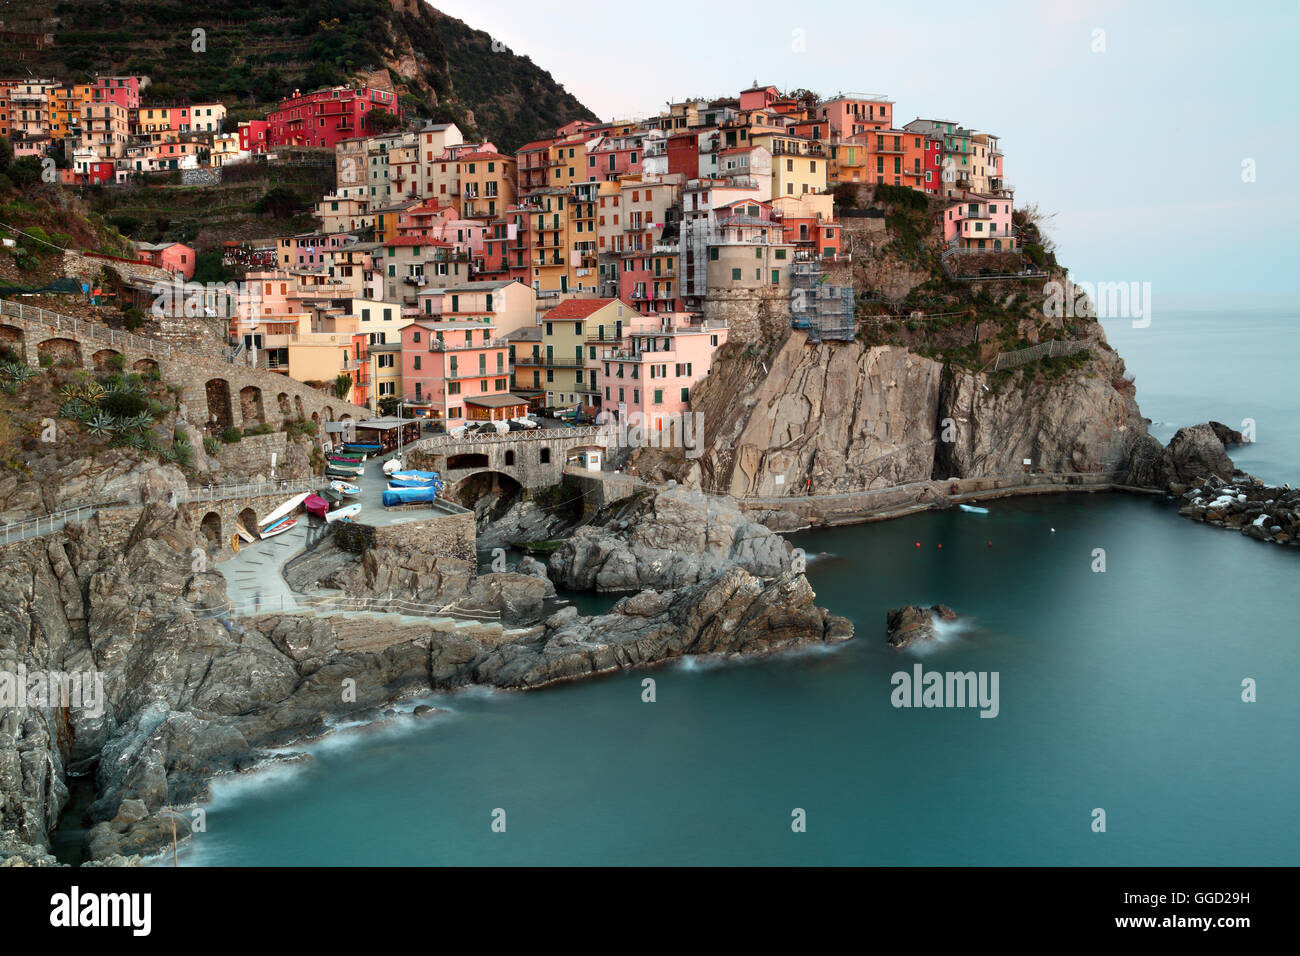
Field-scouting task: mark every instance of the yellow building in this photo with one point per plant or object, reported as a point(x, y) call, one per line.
point(487, 184)
point(568, 162)
point(568, 377)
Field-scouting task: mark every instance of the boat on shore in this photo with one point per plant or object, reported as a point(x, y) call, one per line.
point(279, 527)
point(283, 510)
point(346, 513)
point(345, 488)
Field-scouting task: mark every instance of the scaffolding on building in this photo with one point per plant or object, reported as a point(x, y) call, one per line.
point(822, 310)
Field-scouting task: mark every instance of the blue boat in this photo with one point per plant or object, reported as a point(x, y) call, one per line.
point(974, 510)
point(363, 449)
point(408, 496)
point(399, 483)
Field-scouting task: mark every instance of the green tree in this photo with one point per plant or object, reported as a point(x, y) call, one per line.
point(343, 385)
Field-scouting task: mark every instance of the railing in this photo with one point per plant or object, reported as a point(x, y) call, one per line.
point(536, 434)
point(80, 328)
point(252, 489)
point(324, 604)
point(31, 528)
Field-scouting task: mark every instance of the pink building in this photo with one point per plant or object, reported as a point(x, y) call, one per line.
point(613, 156)
point(980, 223)
point(449, 360)
point(758, 97)
point(175, 257)
point(847, 116)
point(655, 366)
point(122, 90)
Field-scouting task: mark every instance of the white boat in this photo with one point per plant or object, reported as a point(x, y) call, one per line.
point(284, 524)
point(973, 509)
point(345, 513)
point(284, 509)
point(343, 488)
point(392, 465)
point(243, 533)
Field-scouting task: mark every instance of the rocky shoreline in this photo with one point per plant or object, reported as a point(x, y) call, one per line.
point(190, 695)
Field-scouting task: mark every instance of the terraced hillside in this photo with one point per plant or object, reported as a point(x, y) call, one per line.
point(256, 52)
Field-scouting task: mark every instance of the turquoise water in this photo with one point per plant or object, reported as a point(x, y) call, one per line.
point(1118, 690)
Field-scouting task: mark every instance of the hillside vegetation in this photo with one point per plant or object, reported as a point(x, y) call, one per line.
point(257, 52)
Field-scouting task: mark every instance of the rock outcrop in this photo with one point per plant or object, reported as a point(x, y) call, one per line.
point(1259, 511)
point(678, 538)
point(913, 624)
point(732, 612)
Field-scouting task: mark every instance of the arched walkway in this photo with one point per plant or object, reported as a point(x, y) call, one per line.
point(103, 359)
point(248, 521)
point(60, 351)
point(144, 365)
point(211, 528)
point(219, 413)
point(250, 405)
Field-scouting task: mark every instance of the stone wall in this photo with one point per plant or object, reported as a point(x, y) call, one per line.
point(535, 459)
point(751, 315)
point(452, 536)
point(251, 456)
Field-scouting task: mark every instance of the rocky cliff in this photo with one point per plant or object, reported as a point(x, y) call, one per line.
point(840, 417)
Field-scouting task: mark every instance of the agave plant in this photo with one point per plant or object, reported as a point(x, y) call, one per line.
point(101, 423)
point(73, 408)
point(17, 371)
point(141, 441)
point(139, 422)
point(92, 391)
point(70, 391)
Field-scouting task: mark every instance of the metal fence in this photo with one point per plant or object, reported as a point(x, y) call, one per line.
point(253, 489)
point(1041, 350)
point(45, 524)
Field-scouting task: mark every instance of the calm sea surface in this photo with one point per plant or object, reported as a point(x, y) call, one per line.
point(1118, 690)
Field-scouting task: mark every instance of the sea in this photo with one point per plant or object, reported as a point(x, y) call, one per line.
point(1147, 697)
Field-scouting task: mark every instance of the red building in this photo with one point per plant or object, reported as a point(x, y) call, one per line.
point(684, 155)
point(252, 136)
point(325, 117)
point(505, 248)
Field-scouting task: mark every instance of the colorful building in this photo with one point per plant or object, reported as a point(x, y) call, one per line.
point(327, 116)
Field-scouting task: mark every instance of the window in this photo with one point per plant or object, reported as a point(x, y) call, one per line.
point(415, 336)
point(659, 396)
point(713, 253)
point(686, 394)
point(546, 456)
point(780, 253)
point(735, 275)
point(417, 363)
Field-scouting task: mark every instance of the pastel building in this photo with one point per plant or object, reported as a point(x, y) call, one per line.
point(448, 361)
point(654, 368)
point(177, 258)
point(980, 223)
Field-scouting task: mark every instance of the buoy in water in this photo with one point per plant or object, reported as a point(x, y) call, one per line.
point(918, 544)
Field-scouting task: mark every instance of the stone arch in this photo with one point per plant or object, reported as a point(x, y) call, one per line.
point(467, 460)
point(282, 402)
point(297, 407)
point(211, 528)
point(329, 413)
point(103, 359)
point(12, 338)
point(250, 405)
point(481, 484)
point(60, 350)
point(144, 365)
point(345, 417)
point(219, 413)
point(248, 521)
point(315, 417)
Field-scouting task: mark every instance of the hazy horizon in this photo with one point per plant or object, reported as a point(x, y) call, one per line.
point(1099, 129)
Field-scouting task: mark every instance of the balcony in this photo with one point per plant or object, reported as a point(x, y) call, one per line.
point(438, 345)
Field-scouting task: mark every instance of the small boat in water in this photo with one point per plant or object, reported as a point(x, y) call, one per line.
point(346, 513)
point(345, 488)
point(283, 510)
point(974, 509)
point(278, 527)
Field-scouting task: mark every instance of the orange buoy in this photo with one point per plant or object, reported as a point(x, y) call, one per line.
point(918, 544)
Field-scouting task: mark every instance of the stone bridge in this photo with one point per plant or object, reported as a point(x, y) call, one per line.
point(220, 394)
point(532, 459)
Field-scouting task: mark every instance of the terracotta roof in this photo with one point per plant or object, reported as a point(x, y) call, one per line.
point(578, 308)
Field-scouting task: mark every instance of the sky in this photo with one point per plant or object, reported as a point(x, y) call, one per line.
point(1157, 135)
